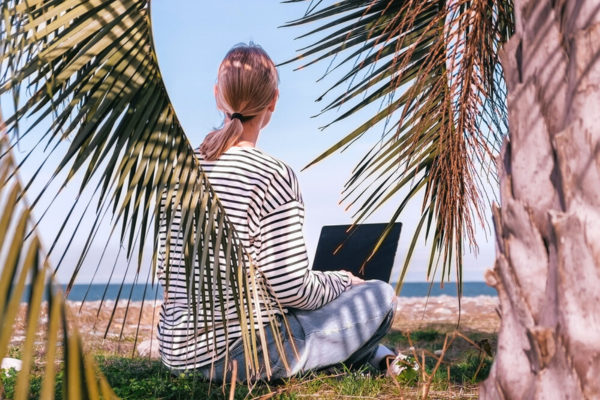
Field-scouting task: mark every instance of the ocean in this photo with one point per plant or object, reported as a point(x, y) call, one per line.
point(410, 289)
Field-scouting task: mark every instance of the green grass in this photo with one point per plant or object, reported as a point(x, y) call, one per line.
point(149, 380)
point(462, 358)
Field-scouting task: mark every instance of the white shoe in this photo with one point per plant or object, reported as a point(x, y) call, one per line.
point(400, 364)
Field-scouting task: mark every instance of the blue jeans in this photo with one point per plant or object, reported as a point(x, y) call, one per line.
point(347, 330)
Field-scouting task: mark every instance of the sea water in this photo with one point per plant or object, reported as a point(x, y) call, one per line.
point(139, 292)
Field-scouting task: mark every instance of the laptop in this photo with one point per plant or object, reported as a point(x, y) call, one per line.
point(356, 248)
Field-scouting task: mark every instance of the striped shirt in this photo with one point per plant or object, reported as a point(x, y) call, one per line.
point(262, 199)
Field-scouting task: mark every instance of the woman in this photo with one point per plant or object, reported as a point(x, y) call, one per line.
point(333, 317)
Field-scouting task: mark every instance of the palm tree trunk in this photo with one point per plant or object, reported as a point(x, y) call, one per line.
point(547, 270)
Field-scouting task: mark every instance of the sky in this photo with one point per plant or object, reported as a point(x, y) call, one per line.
point(192, 37)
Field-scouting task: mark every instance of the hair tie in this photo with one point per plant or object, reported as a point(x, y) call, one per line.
point(237, 116)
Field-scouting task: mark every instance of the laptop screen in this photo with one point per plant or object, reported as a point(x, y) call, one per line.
point(357, 246)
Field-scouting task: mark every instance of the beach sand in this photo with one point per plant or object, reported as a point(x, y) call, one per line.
point(479, 313)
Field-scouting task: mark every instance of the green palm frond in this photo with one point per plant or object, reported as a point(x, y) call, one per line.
point(24, 263)
point(433, 68)
point(91, 67)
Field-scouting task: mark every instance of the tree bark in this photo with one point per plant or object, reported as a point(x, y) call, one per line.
point(547, 270)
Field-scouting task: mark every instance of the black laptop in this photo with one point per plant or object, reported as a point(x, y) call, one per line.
point(356, 247)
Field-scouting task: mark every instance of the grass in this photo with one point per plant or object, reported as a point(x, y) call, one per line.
point(463, 362)
point(463, 366)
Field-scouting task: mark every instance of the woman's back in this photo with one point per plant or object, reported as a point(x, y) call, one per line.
point(241, 178)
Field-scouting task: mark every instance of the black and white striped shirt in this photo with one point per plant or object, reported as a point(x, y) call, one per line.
point(262, 199)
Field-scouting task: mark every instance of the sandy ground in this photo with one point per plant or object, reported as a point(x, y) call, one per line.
point(481, 313)
point(442, 313)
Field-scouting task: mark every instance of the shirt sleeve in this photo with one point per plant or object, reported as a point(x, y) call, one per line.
point(283, 260)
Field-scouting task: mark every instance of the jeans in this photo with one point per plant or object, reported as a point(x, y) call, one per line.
point(348, 330)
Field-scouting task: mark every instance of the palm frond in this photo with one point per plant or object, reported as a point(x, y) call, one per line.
point(92, 68)
point(433, 68)
point(23, 263)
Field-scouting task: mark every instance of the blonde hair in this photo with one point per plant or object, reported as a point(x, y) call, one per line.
point(247, 82)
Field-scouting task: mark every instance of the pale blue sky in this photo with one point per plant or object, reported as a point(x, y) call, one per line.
point(192, 37)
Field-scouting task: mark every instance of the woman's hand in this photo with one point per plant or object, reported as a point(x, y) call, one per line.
point(355, 280)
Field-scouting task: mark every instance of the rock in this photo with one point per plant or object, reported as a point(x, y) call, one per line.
point(146, 348)
point(16, 339)
point(438, 352)
point(8, 363)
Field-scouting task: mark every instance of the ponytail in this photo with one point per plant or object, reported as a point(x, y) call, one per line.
point(247, 83)
point(219, 141)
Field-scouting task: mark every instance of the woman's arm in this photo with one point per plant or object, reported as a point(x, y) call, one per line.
point(284, 262)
